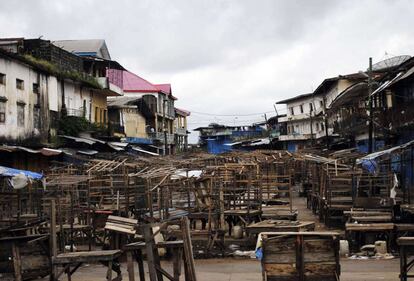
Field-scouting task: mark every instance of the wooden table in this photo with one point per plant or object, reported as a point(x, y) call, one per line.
point(300, 256)
point(78, 258)
point(22, 258)
point(280, 226)
point(406, 247)
point(387, 228)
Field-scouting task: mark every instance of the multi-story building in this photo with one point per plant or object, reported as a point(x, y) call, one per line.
point(307, 119)
point(36, 92)
point(180, 129)
point(156, 104)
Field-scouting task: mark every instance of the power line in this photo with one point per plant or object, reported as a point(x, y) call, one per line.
point(230, 115)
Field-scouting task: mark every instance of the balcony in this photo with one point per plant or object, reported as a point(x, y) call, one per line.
point(351, 123)
point(111, 89)
point(159, 136)
point(295, 137)
point(81, 112)
point(181, 131)
point(399, 116)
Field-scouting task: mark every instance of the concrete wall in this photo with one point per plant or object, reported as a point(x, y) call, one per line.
point(99, 109)
point(134, 123)
point(35, 105)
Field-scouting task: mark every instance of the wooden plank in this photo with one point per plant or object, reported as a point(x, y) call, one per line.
point(86, 257)
point(17, 263)
point(279, 269)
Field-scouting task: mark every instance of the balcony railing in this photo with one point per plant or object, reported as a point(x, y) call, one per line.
point(159, 136)
point(350, 123)
point(81, 112)
point(181, 131)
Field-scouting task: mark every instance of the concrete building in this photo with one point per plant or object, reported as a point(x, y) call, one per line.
point(126, 120)
point(25, 91)
point(307, 120)
point(180, 129)
point(156, 104)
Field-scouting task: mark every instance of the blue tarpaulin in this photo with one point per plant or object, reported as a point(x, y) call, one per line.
point(10, 172)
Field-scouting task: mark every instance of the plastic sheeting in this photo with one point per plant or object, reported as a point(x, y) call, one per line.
point(10, 172)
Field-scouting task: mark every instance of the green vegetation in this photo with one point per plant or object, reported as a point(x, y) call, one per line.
point(73, 125)
point(54, 69)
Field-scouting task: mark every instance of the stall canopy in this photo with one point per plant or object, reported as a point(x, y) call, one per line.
point(10, 172)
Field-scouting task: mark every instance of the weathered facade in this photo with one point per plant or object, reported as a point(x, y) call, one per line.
point(126, 121)
point(24, 101)
point(180, 129)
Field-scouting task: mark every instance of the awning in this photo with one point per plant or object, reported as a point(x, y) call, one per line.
point(11, 172)
point(43, 151)
point(139, 149)
point(377, 154)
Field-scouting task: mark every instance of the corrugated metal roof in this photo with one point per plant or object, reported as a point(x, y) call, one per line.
point(122, 101)
point(89, 47)
point(134, 83)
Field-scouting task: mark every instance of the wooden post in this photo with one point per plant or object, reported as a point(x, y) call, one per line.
point(17, 263)
point(149, 246)
point(53, 240)
point(130, 266)
point(188, 250)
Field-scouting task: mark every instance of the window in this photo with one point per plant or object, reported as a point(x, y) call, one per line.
point(310, 107)
point(301, 108)
point(96, 114)
point(291, 111)
point(317, 127)
point(322, 127)
point(36, 117)
point(19, 84)
point(2, 112)
point(35, 88)
point(321, 103)
point(104, 117)
point(2, 79)
point(20, 114)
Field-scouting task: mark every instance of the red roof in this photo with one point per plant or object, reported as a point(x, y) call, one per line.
point(165, 89)
point(134, 83)
point(182, 111)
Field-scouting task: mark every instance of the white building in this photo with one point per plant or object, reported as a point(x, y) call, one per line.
point(305, 116)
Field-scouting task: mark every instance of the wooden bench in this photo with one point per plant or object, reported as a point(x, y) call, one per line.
point(78, 258)
point(406, 248)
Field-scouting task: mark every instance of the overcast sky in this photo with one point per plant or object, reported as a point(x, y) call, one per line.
point(226, 57)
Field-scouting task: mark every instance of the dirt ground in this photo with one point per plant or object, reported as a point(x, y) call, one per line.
point(248, 269)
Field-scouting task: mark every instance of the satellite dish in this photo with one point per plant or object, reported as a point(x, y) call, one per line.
point(390, 63)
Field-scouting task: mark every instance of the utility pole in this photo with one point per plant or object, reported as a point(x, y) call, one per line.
point(311, 121)
point(371, 115)
point(325, 115)
point(164, 126)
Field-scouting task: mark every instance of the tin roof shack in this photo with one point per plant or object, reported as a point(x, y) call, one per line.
point(126, 120)
point(218, 138)
point(180, 129)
